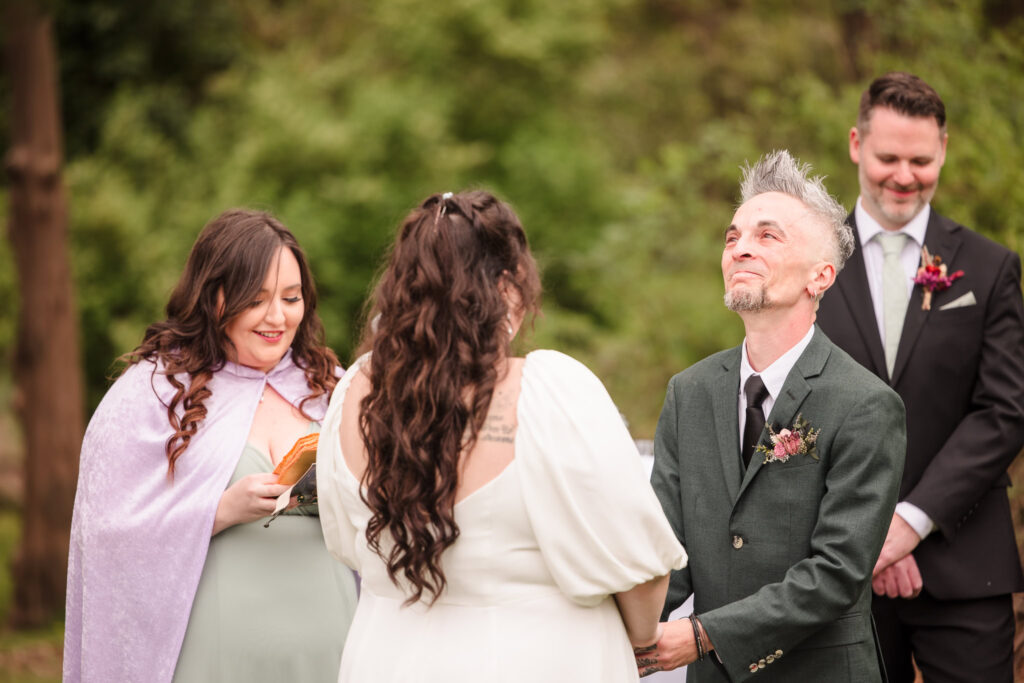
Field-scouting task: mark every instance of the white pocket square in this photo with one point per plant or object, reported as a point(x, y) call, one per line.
point(959, 302)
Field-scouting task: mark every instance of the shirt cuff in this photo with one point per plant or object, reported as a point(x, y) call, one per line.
point(918, 520)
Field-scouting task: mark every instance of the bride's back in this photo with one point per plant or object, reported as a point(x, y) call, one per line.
point(521, 587)
point(491, 453)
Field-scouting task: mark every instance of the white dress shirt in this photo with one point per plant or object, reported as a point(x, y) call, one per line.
point(910, 259)
point(773, 376)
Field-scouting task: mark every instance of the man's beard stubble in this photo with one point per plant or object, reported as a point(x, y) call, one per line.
point(902, 213)
point(745, 301)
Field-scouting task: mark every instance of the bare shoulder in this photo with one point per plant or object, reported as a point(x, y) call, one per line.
point(359, 384)
point(350, 438)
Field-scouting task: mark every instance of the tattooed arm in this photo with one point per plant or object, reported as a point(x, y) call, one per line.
point(676, 647)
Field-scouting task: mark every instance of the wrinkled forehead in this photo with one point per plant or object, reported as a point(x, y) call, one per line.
point(801, 225)
point(774, 207)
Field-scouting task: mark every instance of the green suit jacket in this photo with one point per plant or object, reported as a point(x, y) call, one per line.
point(780, 556)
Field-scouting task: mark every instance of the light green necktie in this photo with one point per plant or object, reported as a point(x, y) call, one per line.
point(894, 292)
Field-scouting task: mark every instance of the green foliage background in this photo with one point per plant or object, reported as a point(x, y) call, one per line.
point(616, 128)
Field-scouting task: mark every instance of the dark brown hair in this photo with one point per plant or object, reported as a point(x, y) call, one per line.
point(903, 93)
point(231, 256)
point(441, 332)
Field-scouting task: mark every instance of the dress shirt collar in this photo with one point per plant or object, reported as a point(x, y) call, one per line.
point(774, 376)
point(868, 227)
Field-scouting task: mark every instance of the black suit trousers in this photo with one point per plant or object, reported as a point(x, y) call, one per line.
point(954, 641)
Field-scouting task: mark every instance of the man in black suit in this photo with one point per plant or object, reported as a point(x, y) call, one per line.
point(953, 348)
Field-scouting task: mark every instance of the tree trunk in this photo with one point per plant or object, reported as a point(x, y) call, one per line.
point(859, 39)
point(47, 366)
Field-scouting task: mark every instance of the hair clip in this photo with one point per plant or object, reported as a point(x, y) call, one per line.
point(442, 208)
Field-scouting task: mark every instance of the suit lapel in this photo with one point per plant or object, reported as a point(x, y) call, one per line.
point(853, 285)
point(725, 404)
point(941, 240)
point(794, 391)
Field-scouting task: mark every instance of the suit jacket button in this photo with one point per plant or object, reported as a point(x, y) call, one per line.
point(753, 668)
point(761, 664)
point(737, 542)
point(770, 658)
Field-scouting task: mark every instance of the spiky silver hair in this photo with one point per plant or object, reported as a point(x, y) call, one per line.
point(779, 171)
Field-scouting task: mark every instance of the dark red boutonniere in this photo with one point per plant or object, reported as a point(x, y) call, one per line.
point(799, 440)
point(932, 277)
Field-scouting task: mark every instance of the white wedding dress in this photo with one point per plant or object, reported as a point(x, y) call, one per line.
point(542, 547)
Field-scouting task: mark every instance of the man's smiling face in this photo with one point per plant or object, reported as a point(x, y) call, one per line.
point(770, 254)
point(898, 161)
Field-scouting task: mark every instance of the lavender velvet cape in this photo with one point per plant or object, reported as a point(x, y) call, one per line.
point(138, 540)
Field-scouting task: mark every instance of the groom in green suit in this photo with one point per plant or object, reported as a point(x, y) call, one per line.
point(777, 462)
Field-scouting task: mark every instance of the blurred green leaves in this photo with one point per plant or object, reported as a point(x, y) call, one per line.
point(616, 128)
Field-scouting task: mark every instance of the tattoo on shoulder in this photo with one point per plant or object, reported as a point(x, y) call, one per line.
point(497, 429)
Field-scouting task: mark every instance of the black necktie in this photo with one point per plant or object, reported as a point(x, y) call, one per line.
point(756, 393)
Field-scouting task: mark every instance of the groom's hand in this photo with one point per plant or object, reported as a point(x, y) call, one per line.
point(899, 542)
point(674, 649)
point(902, 579)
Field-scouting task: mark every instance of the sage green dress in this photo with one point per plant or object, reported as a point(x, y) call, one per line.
point(272, 605)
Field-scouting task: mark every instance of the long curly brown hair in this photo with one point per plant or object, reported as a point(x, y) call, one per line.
point(440, 335)
point(231, 258)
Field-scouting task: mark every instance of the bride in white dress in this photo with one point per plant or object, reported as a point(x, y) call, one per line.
point(496, 507)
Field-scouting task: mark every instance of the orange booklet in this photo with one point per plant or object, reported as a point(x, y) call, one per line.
point(297, 461)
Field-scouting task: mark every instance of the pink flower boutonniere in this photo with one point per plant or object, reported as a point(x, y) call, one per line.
point(932, 277)
point(800, 440)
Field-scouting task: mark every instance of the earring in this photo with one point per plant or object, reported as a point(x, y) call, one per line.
point(508, 317)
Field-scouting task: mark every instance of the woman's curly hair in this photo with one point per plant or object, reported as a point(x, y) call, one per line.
point(441, 312)
point(223, 276)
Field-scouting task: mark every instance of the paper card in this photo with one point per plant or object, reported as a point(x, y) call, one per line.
point(302, 492)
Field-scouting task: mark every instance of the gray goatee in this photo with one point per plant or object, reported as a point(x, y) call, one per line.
point(744, 301)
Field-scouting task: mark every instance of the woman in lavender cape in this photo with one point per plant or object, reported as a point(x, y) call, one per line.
point(495, 506)
point(171, 575)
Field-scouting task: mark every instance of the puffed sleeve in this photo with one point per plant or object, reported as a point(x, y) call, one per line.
point(599, 525)
point(336, 486)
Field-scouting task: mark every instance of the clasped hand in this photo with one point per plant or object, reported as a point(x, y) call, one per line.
point(674, 648)
point(896, 573)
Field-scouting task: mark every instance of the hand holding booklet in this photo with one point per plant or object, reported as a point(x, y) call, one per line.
point(298, 470)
